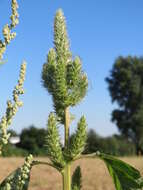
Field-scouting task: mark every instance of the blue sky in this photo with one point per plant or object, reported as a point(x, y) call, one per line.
point(99, 31)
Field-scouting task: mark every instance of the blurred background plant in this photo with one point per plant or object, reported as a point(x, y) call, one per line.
point(19, 179)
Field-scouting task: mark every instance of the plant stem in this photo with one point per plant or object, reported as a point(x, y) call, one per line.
point(37, 162)
point(67, 178)
point(67, 121)
point(66, 171)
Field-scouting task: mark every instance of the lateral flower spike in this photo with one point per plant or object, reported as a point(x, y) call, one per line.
point(12, 108)
point(78, 140)
point(53, 142)
point(8, 35)
point(25, 170)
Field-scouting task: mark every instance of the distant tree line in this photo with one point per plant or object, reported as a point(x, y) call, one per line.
point(33, 140)
point(117, 145)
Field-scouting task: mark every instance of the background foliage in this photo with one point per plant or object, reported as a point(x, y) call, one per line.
point(33, 139)
point(125, 84)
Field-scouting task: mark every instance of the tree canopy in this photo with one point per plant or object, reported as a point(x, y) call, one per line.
point(125, 85)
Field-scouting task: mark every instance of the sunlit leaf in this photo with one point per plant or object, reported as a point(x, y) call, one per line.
point(125, 177)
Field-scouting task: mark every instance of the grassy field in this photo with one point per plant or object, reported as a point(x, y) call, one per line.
point(95, 175)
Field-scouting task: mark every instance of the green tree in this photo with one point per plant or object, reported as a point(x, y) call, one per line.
point(115, 145)
point(32, 139)
point(12, 132)
point(125, 84)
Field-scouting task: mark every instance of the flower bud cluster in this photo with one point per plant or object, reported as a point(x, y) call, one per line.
point(6, 187)
point(77, 141)
point(7, 34)
point(19, 178)
point(12, 107)
point(25, 170)
point(54, 148)
point(14, 16)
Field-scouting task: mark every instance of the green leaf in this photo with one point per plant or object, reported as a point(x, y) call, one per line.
point(125, 177)
point(19, 179)
point(76, 179)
